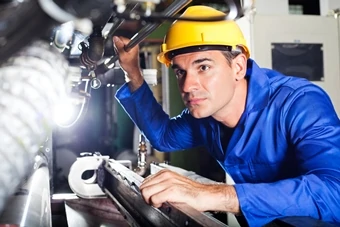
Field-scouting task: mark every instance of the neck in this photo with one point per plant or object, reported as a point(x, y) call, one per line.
point(231, 113)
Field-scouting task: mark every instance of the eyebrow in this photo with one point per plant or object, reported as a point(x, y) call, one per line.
point(198, 61)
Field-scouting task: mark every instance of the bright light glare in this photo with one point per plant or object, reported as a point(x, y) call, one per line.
point(65, 112)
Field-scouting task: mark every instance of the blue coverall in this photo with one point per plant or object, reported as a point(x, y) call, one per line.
point(284, 153)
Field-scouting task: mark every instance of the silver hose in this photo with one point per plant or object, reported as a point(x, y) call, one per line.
point(31, 83)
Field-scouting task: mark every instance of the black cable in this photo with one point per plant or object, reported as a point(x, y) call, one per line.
point(157, 17)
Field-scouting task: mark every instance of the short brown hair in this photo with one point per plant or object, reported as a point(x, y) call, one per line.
point(230, 55)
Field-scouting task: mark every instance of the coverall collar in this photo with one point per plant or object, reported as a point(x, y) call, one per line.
point(258, 87)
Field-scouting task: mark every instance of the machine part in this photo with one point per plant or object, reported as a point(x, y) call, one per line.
point(93, 212)
point(94, 51)
point(83, 25)
point(30, 205)
point(148, 5)
point(96, 43)
point(98, 11)
point(174, 8)
point(80, 100)
point(21, 23)
point(142, 150)
point(121, 184)
point(236, 10)
point(86, 188)
point(32, 82)
point(63, 36)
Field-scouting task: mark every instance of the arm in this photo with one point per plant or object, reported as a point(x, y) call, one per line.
point(313, 129)
point(168, 186)
point(129, 62)
point(164, 134)
point(138, 101)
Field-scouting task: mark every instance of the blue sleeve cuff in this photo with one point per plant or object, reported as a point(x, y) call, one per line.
point(242, 198)
point(124, 91)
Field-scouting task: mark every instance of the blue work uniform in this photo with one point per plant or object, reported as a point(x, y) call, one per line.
point(284, 153)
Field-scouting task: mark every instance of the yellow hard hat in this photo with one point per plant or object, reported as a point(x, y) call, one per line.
point(184, 34)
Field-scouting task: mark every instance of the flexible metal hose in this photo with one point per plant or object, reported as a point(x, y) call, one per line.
point(31, 83)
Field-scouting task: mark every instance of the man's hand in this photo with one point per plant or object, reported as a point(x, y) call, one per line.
point(129, 62)
point(168, 186)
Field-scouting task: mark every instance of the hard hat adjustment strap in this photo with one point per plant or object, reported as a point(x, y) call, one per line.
point(191, 49)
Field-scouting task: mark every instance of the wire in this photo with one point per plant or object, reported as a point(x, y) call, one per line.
point(83, 107)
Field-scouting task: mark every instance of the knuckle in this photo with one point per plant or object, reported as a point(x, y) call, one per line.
point(154, 200)
point(166, 173)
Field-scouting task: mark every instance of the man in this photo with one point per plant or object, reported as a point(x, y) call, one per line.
point(277, 136)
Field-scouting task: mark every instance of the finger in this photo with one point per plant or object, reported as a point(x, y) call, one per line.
point(157, 178)
point(149, 191)
point(169, 194)
point(157, 200)
point(118, 43)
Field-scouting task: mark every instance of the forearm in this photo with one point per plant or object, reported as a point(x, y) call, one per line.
point(135, 80)
point(222, 198)
point(150, 118)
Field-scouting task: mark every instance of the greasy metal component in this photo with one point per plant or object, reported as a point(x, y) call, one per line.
point(126, 194)
point(94, 51)
point(142, 153)
point(30, 205)
point(27, 109)
point(122, 185)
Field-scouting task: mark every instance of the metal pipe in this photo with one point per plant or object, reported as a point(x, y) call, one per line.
point(30, 205)
point(98, 11)
point(96, 45)
point(174, 8)
point(117, 22)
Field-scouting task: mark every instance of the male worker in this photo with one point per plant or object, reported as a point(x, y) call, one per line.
point(277, 136)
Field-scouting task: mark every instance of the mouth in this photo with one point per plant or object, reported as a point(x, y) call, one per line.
point(195, 101)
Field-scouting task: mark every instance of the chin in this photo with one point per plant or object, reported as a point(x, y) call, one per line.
point(198, 114)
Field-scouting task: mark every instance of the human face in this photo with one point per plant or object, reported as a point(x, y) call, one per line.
point(206, 82)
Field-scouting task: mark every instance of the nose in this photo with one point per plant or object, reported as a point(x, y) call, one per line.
point(190, 83)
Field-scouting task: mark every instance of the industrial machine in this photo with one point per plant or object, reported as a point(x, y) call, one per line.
point(53, 52)
point(116, 180)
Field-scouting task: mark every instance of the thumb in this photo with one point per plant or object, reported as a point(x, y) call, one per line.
point(118, 43)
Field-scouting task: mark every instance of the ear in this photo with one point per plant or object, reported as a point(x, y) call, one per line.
point(240, 66)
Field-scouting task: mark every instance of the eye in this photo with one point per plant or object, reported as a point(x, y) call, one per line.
point(180, 73)
point(204, 68)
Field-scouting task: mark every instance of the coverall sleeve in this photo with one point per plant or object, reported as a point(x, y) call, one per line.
point(163, 133)
point(312, 128)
